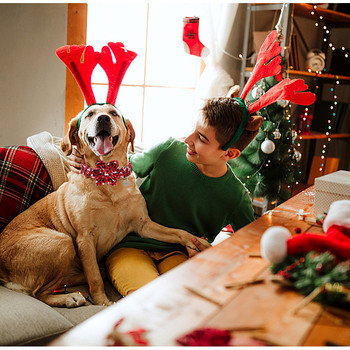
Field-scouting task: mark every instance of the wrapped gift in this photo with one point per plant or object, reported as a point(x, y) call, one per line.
point(330, 188)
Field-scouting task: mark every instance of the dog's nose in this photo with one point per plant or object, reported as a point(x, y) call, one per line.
point(103, 118)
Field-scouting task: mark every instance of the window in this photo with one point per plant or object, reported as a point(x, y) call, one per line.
point(158, 91)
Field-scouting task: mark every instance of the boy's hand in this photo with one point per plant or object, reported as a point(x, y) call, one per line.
point(74, 160)
point(200, 246)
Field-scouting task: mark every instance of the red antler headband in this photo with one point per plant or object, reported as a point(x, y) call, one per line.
point(81, 60)
point(115, 71)
point(268, 64)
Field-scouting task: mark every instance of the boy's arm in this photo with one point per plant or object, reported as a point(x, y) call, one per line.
point(243, 214)
point(74, 160)
point(143, 163)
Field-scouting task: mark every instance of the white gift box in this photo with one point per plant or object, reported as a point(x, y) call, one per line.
point(330, 188)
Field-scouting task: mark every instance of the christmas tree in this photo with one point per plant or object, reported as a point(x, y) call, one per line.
point(269, 165)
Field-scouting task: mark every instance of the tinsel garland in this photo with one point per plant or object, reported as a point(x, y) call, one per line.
point(318, 270)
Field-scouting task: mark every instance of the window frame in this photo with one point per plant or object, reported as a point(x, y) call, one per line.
point(77, 18)
point(76, 35)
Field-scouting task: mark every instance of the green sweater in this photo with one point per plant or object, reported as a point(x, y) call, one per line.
point(178, 195)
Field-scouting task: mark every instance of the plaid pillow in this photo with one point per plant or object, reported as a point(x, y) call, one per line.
point(24, 180)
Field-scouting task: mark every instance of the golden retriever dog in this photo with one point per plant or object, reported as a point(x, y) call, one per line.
point(61, 238)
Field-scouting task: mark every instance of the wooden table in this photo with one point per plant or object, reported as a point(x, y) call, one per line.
point(194, 295)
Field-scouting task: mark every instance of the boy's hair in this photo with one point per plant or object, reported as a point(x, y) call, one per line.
point(225, 115)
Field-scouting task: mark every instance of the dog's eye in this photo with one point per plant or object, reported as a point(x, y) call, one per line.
point(90, 114)
point(114, 113)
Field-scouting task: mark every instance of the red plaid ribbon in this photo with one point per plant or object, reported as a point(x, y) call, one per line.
point(108, 173)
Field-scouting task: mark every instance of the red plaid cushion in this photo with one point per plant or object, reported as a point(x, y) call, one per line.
point(24, 180)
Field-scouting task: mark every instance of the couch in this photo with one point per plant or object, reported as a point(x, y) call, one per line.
point(25, 320)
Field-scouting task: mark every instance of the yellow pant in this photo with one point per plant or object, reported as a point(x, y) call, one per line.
point(130, 269)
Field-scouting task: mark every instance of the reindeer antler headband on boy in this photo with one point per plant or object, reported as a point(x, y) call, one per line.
point(269, 64)
point(81, 60)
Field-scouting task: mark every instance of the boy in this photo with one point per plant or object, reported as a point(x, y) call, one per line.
point(188, 185)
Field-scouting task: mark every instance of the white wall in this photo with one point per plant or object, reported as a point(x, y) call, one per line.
point(32, 78)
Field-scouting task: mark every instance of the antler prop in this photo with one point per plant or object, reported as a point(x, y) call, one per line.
point(268, 62)
point(115, 71)
point(81, 60)
point(287, 89)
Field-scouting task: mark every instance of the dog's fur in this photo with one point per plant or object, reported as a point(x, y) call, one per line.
point(60, 239)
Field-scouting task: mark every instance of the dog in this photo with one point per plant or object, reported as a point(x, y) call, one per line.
point(61, 238)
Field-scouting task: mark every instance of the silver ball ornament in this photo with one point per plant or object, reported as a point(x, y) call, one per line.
point(294, 135)
point(297, 155)
point(283, 103)
point(276, 134)
point(267, 146)
point(257, 92)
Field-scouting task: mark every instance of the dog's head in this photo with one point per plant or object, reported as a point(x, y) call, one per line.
point(99, 131)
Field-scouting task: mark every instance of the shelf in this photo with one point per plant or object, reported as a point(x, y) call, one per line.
point(333, 18)
point(312, 74)
point(318, 75)
point(315, 135)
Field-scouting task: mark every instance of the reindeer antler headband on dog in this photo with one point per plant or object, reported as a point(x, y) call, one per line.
point(81, 60)
point(269, 64)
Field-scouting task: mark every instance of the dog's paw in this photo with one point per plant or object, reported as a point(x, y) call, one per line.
point(102, 301)
point(193, 246)
point(204, 242)
point(75, 300)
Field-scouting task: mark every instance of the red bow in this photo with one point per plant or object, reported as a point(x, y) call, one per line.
point(108, 173)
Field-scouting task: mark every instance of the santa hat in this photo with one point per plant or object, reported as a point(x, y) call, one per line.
point(277, 242)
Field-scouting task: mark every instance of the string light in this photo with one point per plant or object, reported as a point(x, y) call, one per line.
point(332, 108)
point(326, 31)
point(329, 129)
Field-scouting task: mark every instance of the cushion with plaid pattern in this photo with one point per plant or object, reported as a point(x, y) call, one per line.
point(24, 180)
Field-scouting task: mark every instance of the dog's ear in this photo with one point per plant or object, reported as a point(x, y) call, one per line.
point(130, 136)
point(71, 138)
